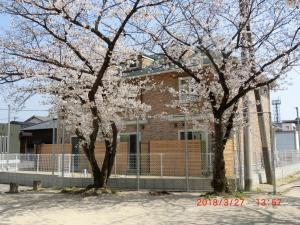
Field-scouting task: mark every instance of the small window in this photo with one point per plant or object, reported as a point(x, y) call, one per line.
point(133, 64)
point(186, 90)
point(124, 137)
point(133, 92)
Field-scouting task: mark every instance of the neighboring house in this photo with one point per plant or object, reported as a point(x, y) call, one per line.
point(31, 137)
point(286, 136)
point(289, 124)
point(14, 146)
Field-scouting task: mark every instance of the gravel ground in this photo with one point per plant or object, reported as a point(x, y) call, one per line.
point(48, 207)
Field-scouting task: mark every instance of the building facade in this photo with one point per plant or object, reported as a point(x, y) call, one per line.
point(166, 135)
point(14, 141)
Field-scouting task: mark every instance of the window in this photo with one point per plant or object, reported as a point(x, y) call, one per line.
point(186, 90)
point(3, 144)
point(133, 92)
point(191, 135)
point(133, 63)
point(196, 135)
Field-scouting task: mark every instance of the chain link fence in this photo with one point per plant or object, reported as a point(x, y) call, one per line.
point(187, 172)
point(192, 171)
point(286, 164)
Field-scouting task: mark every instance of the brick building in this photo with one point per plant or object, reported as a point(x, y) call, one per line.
point(167, 136)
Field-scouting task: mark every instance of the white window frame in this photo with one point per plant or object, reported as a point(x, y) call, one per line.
point(132, 94)
point(3, 144)
point(189, 97)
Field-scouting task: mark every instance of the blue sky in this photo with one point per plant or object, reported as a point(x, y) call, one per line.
point(35, 103)
point(290, 97)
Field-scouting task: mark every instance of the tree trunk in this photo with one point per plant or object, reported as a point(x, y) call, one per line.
point(98, 180)
point(89, 150)
point(219, 182)
point(110, 153)
point(101, 176)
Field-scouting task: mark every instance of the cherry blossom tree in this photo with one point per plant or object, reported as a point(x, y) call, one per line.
point(228, 48)
point(76, 50)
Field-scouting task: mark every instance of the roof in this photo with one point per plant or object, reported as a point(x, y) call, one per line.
point(158, 66)
point(22, 124)
point(42, 126)
point(289, 121)
point(41, 118)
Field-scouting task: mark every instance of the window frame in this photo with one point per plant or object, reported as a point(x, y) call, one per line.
point(188, 96)
point(202, 133)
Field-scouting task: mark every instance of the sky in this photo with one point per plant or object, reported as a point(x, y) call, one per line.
point(290, 96)
point(36, 103)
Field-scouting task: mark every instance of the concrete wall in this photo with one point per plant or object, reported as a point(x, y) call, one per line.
point(286, 140)
point(172, 184)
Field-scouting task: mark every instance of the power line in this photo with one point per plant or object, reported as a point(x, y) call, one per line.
point(32, 110)
point(28, 110)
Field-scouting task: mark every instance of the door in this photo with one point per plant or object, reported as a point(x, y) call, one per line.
point(132, 152)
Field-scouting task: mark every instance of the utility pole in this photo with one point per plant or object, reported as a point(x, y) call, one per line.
point(248, 57)
point(239, 161)
point(138, 153)
point(186, 154)
point(53, 142)
point(247, 154)
point(8, 131)
point(263, 136)
point(272, 140)
point(298, 127)
point(63, 148)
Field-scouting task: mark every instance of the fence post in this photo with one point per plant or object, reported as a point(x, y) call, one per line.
point(38, 163)
point(115, 164)
point(272, 140)
point(16, 162)
point(73, 163)
point(2, 162)
point(186, 155)
point(59, 163)
point(210, 166)
point(161, 164)
point(70, 159)
point(7, 162)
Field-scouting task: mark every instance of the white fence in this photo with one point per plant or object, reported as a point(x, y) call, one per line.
point(35, 163)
